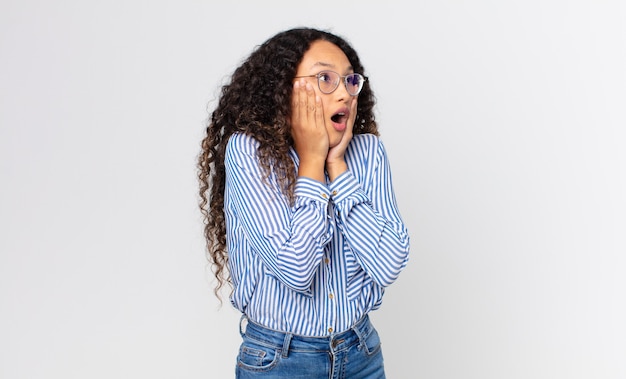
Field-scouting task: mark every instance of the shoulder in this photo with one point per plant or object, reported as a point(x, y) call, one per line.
point(366, 144)
point(240, 143)
point(366, 138)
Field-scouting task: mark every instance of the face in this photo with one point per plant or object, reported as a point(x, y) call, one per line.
point(326, 56)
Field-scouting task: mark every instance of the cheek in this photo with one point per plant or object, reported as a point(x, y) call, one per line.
point(334, 137)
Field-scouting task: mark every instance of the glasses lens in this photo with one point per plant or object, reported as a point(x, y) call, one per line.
point(354, 83)
point(328, 81)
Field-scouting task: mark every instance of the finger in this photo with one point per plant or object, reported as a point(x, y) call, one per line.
point(311, 103)
point(319, 111)
point(353, 112)
point(295, 100)
point(301, 98)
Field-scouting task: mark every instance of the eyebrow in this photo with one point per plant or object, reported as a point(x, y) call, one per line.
point(330, 65)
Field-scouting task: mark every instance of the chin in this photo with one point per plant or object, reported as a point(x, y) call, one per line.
point(334, 142)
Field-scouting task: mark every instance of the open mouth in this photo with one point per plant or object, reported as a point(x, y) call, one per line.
point(339, 117)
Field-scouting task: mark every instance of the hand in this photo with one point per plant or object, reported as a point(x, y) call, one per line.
point(309, 131)
point(335, 161)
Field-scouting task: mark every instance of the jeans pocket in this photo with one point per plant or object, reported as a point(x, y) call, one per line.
point(372, 343)
point(256, 357)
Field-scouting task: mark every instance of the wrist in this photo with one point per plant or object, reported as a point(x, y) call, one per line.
point(334, 169)
point(312, 169)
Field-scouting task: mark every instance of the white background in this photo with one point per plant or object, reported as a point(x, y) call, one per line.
point(505, 125)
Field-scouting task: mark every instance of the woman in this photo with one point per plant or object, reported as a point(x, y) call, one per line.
point(300, 214)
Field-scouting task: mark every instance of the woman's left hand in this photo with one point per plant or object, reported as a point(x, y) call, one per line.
point(335, 162)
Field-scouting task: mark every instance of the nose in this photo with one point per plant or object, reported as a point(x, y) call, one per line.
point(342, 90)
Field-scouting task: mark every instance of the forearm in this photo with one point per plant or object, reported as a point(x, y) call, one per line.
point(380, 244)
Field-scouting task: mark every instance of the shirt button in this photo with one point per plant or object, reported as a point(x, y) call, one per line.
point(330, 330)
point(327, 261)
point(325, 196)
point(330, 295)
point(334, 193)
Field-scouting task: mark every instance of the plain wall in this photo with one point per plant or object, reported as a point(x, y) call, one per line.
point(505, 126)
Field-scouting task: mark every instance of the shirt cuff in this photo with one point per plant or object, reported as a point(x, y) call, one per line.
point(312, 189)
point(343, 186)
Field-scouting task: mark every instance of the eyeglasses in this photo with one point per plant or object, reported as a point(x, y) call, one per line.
point(328, 81)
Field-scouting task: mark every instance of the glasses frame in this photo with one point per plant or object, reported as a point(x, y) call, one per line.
point(362, 78)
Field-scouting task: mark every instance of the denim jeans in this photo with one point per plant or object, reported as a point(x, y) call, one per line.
point(353, 354)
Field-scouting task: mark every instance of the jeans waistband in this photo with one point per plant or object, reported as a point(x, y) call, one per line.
point(293, 342)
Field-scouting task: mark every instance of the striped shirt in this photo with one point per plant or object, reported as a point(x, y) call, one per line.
point(318, 266)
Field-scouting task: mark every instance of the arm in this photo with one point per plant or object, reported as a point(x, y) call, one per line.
point(369, 216)
point(289, 240)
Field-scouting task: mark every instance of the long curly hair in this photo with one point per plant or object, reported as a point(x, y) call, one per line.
point(257, 102)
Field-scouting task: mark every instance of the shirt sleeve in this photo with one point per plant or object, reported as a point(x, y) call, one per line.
point(290, 239)
point(369, 218)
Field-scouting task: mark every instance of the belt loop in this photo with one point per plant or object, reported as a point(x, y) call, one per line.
point(286, 343)
point(358, 329)
point(243, 317)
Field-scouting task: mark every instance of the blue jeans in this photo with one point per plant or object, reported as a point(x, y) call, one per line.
point(353, 354)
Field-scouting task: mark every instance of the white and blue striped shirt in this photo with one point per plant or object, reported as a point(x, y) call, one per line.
point(318, 266)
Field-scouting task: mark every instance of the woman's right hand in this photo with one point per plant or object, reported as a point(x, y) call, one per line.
point(309, 131)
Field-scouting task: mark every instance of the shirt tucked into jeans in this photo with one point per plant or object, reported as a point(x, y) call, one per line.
point(353, 354)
